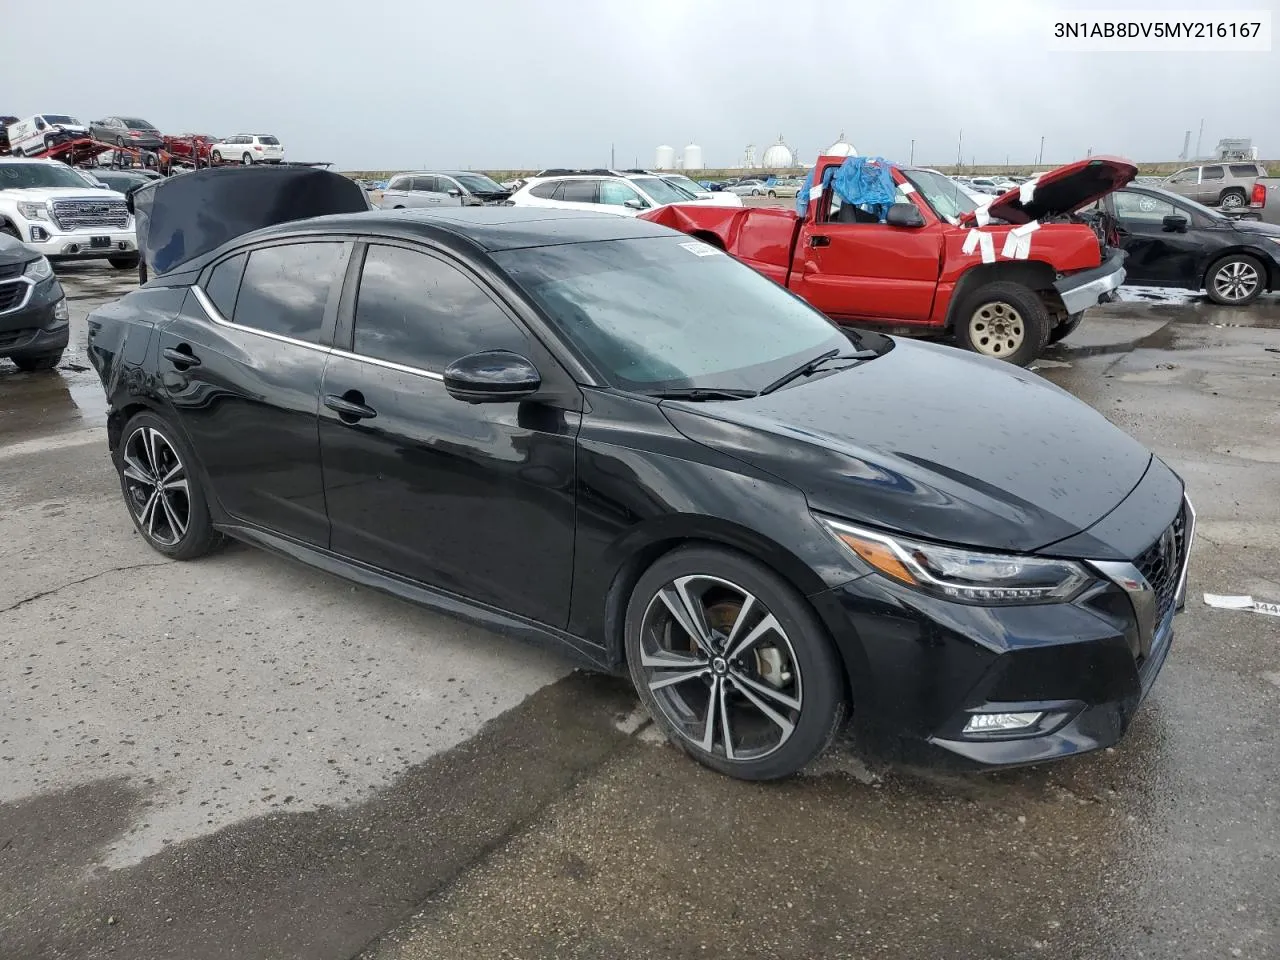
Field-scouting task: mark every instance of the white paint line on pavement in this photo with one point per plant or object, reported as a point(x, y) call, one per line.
point(59, 441)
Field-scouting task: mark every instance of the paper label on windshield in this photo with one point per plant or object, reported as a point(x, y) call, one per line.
point(702, 249)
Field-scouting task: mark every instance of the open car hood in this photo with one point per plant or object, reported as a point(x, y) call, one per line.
point(184, 216)
point(1061, 191)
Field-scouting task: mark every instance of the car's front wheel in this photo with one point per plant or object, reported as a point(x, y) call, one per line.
point(123, 263)
point(247, 160)
point(1004, 320)
point(1065, 328)
point(30, 363)
point(163, 493)
point(732, 664)
point(215, 157)
point(1235, 280)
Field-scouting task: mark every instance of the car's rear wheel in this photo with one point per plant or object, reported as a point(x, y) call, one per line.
point(247, 160)
point(732, 664)
point(1235, 280)
point(29, 363)
point(772, 193)
point(163, 494)
point(1232, 199)
point(1004, 320)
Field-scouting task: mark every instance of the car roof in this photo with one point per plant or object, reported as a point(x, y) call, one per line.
point(44, 160)
point(490, 229)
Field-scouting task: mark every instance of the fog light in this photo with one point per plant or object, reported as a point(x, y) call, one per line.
point(1001, 722)
point(61, 311)
point(39, 234)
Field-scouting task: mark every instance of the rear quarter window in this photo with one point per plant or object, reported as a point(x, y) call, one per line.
point(1245, 170)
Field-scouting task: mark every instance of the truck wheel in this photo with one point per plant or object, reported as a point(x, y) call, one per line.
point(39, 361)
point(1065, 328)
point(1232, 199)
point(1235, 280)
point(1004, 320)
point(123, 263)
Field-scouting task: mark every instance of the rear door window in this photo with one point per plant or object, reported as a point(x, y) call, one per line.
point(545, 191)
point(426, 184)
point(578, 191)
point(1213, 173)
point(286, 288)
point(224, 283)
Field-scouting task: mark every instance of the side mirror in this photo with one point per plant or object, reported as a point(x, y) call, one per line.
point(455, 192)
point(1175, 224)
point(492, 376)
point(904, 215)
point(634, 204)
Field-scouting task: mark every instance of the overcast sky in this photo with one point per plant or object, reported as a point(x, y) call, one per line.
point(383, 84)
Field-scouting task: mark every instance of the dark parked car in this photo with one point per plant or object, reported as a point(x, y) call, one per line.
point(1176, 242)
point(127, 132)
point(122, 181)
point(33, 308)
point(4, 134)
point(593, 431)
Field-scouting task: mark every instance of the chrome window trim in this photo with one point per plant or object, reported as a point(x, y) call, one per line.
point(222, 321)
point(31, 286)
point(387, 364)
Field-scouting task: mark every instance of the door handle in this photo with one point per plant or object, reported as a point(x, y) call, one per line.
point(820, 240)
point(350, 407)
point(180, 356)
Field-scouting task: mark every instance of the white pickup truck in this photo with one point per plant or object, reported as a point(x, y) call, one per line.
point(57, 211)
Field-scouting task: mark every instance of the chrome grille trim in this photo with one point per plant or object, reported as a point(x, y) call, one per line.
point(11, 299)
point(81, 214)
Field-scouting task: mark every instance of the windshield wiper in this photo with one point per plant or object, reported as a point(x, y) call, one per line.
point(811, 366)
point(702, 393)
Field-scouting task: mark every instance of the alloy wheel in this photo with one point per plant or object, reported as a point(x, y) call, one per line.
point(1236, 280)
point(720, 667)
point(996, 329)
point(1232, 201)
point(156, 486)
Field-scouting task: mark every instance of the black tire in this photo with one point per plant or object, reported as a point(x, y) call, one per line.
point(1012, 305)
point(755, 193)
point(40, 361)
point(805, 661)
point(123, 263)
point(1232, 198)
point(1065, 328)
point(1218, 283)
point(198, 536)
point(9, 230)
point(247, 160)
point(772, 194)
point(215, 157)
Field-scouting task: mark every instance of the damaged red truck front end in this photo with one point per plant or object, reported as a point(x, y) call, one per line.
point(1005, 279)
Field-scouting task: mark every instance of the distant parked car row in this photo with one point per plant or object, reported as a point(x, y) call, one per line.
point(40, 133)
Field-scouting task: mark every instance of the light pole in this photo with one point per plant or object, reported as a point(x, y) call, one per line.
point(911, 160)
point(1040, 159)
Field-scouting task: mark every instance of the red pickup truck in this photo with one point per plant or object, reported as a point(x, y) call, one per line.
point(1005, 278)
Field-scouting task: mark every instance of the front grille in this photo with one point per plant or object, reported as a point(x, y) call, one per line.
point(11, 270)
point(9, 338)
point(1162, 562)
point(79, 214)
point(11, 294)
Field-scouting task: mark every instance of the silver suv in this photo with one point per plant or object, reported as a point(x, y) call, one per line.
point(1225, 185)
point(453, 189)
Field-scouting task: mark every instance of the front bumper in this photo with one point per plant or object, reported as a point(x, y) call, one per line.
point(921, 667)
point(31, 328)
point(45, 237)
point(1088, 288)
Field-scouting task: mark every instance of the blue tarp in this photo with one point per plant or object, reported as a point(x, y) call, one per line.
point(862, 181)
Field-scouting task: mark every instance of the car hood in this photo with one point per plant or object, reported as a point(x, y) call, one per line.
point(928, 441)
point(1256, 227)
point(1061, 191)
point(41, 194)
point(183, 217)
point(14, 252)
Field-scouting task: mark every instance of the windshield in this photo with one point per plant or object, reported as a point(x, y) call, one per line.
point(19, 176)
point(663, 313)
point(947, 198)
point(133, 123)
point(59, 118)
point(685, 184)
point(660, 190)
point(479, 183)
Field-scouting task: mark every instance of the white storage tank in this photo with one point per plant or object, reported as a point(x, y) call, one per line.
point(841, 148)
point(778, 157)
point(664, 158)
point(693, 157)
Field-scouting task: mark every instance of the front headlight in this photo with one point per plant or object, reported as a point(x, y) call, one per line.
point(965, 576)
point(32, 211)
point(38, 270)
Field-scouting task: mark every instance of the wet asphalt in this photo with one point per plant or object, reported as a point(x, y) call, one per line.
point(240, 757)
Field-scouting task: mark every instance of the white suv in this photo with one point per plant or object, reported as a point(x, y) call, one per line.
point(248, 149)
point(604, 191)
point(57, 211)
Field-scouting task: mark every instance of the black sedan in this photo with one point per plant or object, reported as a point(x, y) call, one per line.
point(1176, 242)
point(33, 308)
point(592, 431)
